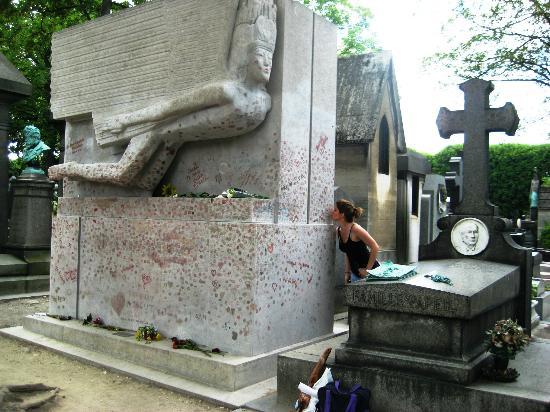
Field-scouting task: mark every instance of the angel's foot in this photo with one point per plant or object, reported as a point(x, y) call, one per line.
point(58, 172)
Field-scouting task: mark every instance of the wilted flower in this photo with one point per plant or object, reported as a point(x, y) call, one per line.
point(506, 339)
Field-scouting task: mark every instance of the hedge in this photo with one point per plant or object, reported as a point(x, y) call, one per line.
point(510, 173)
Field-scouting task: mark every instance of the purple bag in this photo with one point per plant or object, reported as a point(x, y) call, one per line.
point(333, 398)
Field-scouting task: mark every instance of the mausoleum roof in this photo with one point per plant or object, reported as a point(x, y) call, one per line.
point(362, 82)
point(11, 79)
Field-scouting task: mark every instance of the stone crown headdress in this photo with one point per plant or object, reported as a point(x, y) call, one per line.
point(261, 15)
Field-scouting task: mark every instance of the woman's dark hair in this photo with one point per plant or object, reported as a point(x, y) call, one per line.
point(348, 209)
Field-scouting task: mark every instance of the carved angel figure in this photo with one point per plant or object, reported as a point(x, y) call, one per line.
point(218, 110)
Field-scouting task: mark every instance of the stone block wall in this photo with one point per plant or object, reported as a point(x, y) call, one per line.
point(216, 271)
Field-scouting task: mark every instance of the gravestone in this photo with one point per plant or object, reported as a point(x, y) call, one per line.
point(475, 230)
point(454, 182)
point(237, 274)
point(411, 171)
point(543, 209)
point(434, 207)
point(476, 121)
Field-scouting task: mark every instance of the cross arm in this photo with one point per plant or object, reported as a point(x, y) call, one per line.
point(503, 119)
point(450, 122)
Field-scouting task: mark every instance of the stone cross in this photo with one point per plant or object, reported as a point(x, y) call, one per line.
point(476, 121)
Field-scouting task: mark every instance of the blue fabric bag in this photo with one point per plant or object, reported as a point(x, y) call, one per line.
point(333, 398)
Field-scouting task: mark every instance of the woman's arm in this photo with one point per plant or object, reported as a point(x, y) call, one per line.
point(214, 94)
point(362, 234)
point(210, 95)
point(347, 270)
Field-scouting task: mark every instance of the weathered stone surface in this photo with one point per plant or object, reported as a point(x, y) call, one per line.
point(361, 83)
point(230, 101)
point(228, 284)
point(429, 328)
point(64, 266)
point(237, 274)
point(175, 46)
point(164, 208)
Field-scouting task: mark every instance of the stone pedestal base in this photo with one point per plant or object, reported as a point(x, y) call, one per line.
point(218, 271)
point(428, 328)
point(31, 213)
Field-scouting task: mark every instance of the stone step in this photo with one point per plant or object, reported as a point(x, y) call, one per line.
point(226, 372)
point(11, 265)
point(22, 285)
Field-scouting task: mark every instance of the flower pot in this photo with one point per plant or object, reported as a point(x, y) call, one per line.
point(501, 364)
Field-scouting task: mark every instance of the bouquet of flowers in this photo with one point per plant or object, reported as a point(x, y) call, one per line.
point(506, 339)
point(148, 333)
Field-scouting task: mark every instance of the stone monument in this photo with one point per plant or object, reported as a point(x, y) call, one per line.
point(193, 99)
point(31, 208)
point(13, 87)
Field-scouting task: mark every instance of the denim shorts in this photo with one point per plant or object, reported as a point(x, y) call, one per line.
point(355, 278)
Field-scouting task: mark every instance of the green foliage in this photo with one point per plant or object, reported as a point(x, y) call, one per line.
point(510, 173)
point(545, 236)
point(15, 167)
point(26, 28)
point(509, 39)
point(169, 190)
point(352, 20)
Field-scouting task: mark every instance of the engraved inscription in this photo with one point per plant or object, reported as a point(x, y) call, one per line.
point(395, 301)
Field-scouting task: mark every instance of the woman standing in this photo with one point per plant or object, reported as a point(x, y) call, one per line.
point(360, 247)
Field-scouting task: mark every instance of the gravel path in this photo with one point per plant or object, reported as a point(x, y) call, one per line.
point(82, 387)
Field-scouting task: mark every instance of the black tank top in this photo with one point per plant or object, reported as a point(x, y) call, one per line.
point(357, 252)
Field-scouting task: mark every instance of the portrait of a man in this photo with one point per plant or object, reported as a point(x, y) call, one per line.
point(470, 236)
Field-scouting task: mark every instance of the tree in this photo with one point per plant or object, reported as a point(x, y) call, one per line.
point(510, 172)
point(26, 28)
point(352, 20)
point(509, 40)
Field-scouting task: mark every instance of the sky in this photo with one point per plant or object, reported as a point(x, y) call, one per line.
point(411, 29)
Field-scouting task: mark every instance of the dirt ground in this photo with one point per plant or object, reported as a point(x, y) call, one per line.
point(82, 387)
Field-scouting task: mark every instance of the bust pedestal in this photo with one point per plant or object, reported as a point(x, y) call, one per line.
point(30, 222)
